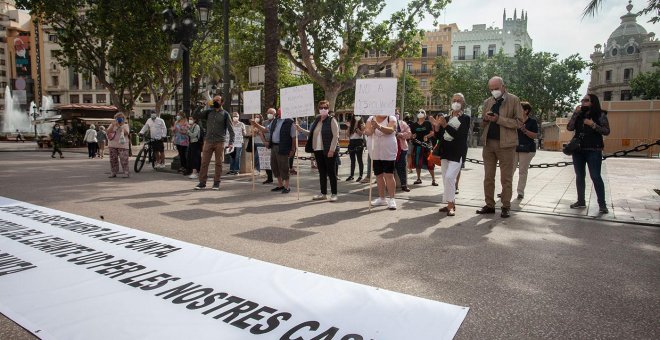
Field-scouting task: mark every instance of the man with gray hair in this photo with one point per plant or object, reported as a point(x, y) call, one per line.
point(500, 117)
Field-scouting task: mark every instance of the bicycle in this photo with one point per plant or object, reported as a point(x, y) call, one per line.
point(145, 154)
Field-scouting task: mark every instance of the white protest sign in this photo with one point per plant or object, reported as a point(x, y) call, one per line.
point(297, 101)
point(264, 157)
point(252, 102)
point(375, 97)
point(65, 276)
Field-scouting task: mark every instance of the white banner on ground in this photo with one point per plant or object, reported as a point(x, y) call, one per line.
point(264, 157)
point(64, 276)
point(375, 96)
point(297, 101)
point(252, 102)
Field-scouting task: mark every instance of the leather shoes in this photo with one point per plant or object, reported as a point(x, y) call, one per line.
point(505, 213)
point(486, 210)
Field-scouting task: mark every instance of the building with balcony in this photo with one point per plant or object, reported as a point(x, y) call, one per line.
point(629, 51)
point(469, 45)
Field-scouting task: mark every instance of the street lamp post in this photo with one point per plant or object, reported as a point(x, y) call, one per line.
point(183, 30)
point(225, 70)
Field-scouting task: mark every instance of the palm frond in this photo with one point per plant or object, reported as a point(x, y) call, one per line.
point(592, 8)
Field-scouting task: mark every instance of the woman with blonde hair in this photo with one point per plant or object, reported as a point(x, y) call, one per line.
point(118, 144)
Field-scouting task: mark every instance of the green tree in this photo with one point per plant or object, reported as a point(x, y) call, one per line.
point(548, 83)
point(647, 85)
point(326, 39)
point(114, 40)
point(653, 6)
point(414, 97)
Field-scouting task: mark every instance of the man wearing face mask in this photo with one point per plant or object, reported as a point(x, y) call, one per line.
point(218, 124)
point(282, 144)
point(265, 131)
point(501, 114)
point(157, 131)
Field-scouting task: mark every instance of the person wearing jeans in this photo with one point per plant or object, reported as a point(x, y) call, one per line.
point(589, 122)
point(323, 142)
point(239, 133)
point(402, 135)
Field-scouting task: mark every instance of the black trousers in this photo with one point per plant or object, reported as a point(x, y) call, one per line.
point(194, 160)
point(183, 156)
point(327, 168)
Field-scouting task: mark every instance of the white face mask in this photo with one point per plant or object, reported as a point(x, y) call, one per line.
point(178, 117)
point(358, 118)
point(324, 112)
point(190, 121)
point(270, 116)
point(456, 106)
point(235, 119)
point(420, 116)
point(257, 119)
point(496, 94)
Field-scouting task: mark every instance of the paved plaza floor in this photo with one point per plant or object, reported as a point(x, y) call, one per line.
point(547, 272)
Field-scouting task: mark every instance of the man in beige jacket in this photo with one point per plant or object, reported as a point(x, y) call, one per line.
point(501, 114)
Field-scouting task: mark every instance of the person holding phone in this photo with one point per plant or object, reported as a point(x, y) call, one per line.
point(118, 144)
point(500, 115)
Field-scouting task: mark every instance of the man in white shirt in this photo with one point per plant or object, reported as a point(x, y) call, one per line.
point(157, 132)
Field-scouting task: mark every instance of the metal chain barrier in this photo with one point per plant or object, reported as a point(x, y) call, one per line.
point(621, 153)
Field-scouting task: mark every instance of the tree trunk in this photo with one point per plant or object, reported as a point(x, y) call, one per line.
point(272, 42)
point(331, 94)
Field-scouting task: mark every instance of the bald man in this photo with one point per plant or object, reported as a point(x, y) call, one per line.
point(499, 138)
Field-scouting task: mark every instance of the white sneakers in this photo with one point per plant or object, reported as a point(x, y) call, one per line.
point(389, 202)
point(193, 176)
point(321, 197)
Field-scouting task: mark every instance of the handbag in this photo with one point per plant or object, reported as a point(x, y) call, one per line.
point(434, 156)
point(573, 146)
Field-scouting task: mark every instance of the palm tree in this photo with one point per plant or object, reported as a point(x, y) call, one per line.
point(272, 42)
point(653, 7)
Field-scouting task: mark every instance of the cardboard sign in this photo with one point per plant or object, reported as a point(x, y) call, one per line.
point(375, 97)
point(252, 102)
point(65, 276)
point(264, 157)
point(297, 101)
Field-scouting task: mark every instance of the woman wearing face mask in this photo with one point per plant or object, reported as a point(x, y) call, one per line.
point(323, 142)
point(194, 147)
point(526, 149)
point(180, 132)
point(453, 133)
point(239, 133)
point(589, 122)
point(258, 139)
point(423, 131)
point(118, 135)
point(356, 146)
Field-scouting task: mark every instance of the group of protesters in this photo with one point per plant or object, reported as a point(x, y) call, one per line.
point(392, 144)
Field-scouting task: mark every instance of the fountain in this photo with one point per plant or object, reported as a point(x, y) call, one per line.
point(14, 119)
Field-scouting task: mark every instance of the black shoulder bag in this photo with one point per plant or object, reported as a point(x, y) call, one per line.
point(575, 144)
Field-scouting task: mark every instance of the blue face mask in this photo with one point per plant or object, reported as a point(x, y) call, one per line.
point(120, 120)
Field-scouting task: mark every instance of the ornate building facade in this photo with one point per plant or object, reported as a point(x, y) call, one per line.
point(629, 51)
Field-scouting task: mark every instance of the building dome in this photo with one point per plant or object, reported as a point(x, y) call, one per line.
point(628, 29)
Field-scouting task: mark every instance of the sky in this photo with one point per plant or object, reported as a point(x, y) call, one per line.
point(555, 26)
